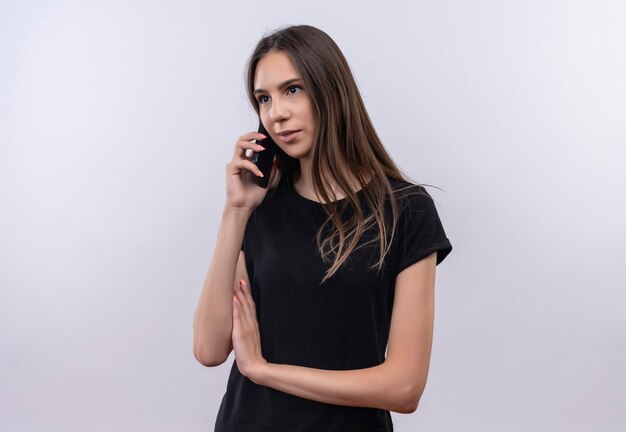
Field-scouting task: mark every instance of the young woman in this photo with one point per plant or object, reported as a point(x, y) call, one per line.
point(323, 283)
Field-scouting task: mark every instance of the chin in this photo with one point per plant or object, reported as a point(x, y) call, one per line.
point(296, 151)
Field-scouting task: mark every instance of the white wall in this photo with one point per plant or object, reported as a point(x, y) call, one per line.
point(116, 122)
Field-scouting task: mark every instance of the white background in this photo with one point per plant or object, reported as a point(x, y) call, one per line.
point(117, 119)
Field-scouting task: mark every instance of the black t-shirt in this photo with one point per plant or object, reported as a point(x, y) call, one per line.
point(342, 324)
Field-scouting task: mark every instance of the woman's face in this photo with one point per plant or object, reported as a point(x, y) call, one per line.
point(284, 104)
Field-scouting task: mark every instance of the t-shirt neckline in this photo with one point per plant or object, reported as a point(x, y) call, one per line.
point(294, 193)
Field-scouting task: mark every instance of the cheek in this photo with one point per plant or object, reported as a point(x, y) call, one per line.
point(309, 120)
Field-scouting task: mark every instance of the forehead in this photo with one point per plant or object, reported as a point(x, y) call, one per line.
point(274, 68)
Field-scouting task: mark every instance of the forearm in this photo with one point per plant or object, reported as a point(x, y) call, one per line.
point(212, 321)
point(375, 387)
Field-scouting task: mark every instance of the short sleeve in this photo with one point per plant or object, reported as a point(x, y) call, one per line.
point(421, 231)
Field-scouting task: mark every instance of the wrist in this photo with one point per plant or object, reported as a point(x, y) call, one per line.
point(260, 372)
point(236, 212)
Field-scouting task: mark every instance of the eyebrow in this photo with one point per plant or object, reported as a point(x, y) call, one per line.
point(284, 84)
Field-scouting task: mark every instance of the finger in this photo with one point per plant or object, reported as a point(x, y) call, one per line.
point(252, 135)
point(240, 318)
point(244, 149)
point(235, 167)
point(243, 308)
point(236, 315)
point(251, 306)
point(245, 142)
point(246, 291)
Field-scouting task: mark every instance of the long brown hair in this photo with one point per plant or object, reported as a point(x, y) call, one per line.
point(345, 141)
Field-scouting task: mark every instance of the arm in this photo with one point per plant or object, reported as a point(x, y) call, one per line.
point(398, 383)
point(212, 320)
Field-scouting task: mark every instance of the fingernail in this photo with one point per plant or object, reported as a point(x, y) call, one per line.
point(261, 147)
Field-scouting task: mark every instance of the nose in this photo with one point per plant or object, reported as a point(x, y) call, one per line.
point(278, 111)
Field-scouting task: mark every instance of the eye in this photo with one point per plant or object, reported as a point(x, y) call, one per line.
point(295, 87)
point(261, 98)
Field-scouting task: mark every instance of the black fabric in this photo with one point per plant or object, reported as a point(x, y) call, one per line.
point(342, 324)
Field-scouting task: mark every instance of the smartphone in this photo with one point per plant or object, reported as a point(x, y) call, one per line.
point(265, 158)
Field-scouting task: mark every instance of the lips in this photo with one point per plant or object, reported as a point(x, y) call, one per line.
point(286, 131)
point(288, 135)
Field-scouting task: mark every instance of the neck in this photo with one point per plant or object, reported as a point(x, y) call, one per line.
point(303, 182)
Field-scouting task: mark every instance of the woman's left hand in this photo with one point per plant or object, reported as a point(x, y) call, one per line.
point(246, 335)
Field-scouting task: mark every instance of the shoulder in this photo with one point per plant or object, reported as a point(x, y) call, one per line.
point(420, 230)
point(416, 210)
point(411, 197)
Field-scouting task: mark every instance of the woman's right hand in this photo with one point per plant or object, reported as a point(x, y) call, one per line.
point(242, 192)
